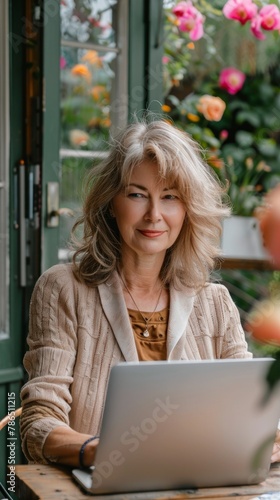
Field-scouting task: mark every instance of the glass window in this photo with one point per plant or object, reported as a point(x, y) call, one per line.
point(93, 68)
point(88, 21)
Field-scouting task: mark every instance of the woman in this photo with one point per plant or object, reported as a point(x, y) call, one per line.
point(137, 289)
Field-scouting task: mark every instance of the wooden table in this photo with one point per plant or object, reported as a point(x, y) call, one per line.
point(46, 482)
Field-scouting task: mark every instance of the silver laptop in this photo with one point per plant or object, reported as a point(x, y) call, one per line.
point(184, 424)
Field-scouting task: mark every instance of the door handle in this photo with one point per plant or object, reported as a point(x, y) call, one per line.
point(63, 211)
point(53, 209)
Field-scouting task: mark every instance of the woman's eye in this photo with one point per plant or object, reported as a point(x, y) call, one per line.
point(136, 195)
point(170, 197)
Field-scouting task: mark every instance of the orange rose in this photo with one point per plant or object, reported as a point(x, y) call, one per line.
point(78, 137)
point(105, 122)
point(263, 323)
point(81, 70)
point(269, 220)
point(212, 108)
point(92, 57)
point(99, 92)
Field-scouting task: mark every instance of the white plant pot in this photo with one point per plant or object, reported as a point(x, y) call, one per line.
point(241, 239)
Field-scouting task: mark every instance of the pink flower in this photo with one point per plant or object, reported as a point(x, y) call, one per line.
point(240, 10)
point(62, 62)
point(223, 134)
point(190, 19)
point(268, 19)
point(232, 80)
point(256, 28)
point(165, 59)
point(180, 9)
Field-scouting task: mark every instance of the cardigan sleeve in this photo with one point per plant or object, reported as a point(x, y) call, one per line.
point(46, 397)
point(234, 343)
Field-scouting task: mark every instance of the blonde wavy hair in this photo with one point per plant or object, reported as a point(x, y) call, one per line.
point(192, 257)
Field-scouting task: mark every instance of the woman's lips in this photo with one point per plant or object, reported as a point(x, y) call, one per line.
point(150, 234)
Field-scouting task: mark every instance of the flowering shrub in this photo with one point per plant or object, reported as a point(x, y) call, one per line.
point(232, 112)
point(241, 137)
point(267, 18)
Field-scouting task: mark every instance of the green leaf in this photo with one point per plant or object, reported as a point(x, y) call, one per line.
point(271, 121)
point(250, 117)
point(266, 91)
point(193, 129)
point(73, 102)
point(174, 100)
point(270, 181)
point(267, 147)
point(244, 139)
point(210, 140)
point(237, 104)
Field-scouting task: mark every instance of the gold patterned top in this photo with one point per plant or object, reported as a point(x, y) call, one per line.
point(152, 347)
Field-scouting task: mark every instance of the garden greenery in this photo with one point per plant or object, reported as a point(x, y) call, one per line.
point(227, 94)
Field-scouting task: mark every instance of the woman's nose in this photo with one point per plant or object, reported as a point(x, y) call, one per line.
point(153, 211)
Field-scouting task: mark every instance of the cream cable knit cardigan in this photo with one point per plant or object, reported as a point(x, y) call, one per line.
point(77, 333)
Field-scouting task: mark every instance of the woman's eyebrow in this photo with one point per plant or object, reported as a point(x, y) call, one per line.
point(143, 188)
point(138, 186)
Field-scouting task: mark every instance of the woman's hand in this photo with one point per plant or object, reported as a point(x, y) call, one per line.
point(63, 446)
point(89, 453)
point(276, 448)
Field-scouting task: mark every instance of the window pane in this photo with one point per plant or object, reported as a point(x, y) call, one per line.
point(88, 21)
point(86, 83)
point(93, 94)
point(73, 171)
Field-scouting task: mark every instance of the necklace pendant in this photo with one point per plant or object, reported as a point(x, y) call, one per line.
point(146, 333)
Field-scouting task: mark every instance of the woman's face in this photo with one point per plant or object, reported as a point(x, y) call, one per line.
point(148, 212)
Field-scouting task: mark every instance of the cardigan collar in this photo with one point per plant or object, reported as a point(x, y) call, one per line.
point(114, 306)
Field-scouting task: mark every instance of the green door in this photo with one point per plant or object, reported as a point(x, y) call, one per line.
point(12, 295)
point(29, 89)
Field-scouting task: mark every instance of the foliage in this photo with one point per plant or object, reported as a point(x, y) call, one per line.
point(251, 151)
point(243, 147)
point(274, 285)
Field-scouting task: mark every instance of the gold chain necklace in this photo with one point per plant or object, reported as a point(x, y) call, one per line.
point(146, 321)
